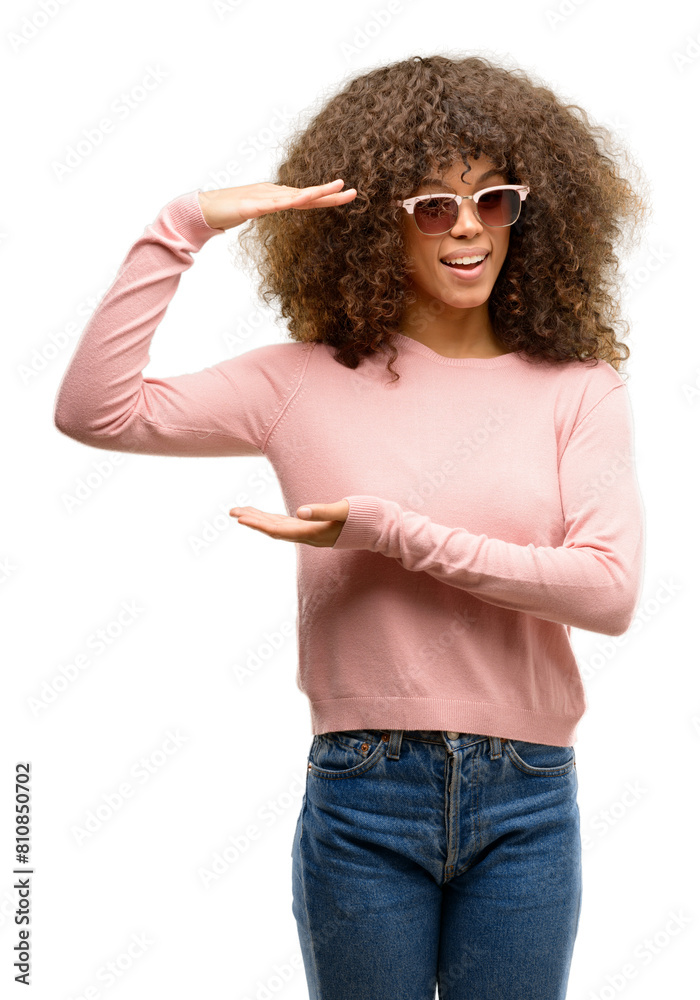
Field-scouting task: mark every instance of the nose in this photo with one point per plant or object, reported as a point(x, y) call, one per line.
point(467, 221)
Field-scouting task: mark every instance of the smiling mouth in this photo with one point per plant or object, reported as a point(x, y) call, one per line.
point(465, 267)
point(467, 272)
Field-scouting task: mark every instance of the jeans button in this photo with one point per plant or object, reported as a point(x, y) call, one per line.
point(453, 736)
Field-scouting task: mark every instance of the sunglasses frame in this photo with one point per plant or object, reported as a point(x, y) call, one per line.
point(410, 203)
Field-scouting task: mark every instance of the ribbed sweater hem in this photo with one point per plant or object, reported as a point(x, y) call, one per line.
point(451, 714)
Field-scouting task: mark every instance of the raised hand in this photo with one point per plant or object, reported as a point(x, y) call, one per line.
point(228, 207)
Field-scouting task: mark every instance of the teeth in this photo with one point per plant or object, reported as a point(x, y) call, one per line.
point(465, 260)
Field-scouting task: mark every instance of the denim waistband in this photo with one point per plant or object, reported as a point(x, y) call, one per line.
point(395, 737)
point(431, 735)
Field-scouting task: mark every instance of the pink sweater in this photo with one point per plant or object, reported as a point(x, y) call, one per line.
point(493, 502)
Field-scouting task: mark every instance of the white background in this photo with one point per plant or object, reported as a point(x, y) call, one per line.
point(236, 76)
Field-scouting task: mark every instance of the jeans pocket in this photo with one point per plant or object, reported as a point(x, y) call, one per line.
point(345, 754)
point(540, 758)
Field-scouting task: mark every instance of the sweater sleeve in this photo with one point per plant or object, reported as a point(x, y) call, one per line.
point(104, 400)
point(592, 581)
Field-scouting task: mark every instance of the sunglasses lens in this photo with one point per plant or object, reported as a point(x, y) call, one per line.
point(438, 215)
point(499, 208)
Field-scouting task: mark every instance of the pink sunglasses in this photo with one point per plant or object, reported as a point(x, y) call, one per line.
point(496, 207)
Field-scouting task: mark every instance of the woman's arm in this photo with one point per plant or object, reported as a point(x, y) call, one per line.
point(227, 409)
point(592, 581)
point(103, 399)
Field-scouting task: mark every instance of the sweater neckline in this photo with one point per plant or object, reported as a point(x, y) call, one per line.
point(501, 361)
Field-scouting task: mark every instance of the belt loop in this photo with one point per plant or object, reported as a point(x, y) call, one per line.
point(394, 749)
point(496, 747)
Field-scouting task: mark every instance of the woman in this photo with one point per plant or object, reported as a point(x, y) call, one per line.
point(479, 503)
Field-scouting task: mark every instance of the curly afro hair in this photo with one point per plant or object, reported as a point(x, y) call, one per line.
point(339, 273)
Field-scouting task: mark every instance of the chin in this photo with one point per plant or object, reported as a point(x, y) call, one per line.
point(458, 297)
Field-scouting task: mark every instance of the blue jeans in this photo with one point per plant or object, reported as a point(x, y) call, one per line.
point(426, 859)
